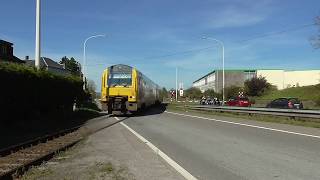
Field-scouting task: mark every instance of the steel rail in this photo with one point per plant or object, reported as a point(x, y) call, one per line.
point(18, 158)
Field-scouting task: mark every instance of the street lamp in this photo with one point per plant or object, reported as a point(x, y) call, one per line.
point(222, 45)
point(84, 56)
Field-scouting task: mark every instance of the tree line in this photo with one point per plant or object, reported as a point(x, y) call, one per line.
point(256, 86)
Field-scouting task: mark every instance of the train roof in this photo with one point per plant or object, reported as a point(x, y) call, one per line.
point(127, 68)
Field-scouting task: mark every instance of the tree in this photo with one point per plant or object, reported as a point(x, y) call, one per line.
point(315, 41)
point(232, 91)
point(163, 93)
point(91, 86)
point(72, 65)
point(212, 93)
point(256, 86)
point(193, 93)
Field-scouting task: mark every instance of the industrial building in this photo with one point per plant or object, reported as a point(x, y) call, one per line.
point(278, 77)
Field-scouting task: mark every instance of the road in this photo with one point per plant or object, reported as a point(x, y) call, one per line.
point(219, 150)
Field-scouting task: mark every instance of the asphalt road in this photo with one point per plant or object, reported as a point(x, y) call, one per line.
point(218, 150)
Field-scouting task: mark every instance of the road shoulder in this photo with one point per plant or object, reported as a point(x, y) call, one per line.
point(112, 153)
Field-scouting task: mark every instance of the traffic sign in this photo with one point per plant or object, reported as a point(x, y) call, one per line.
point(181, 92)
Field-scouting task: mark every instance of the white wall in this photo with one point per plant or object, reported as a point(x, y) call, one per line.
point(302, 78)
point(274, 77)
point(284, 79)
point(202, 85)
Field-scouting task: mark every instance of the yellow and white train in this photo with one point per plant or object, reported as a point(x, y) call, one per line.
point(124, 89)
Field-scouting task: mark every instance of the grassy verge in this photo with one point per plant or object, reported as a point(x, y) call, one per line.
point(307, 122)
point(309, 95)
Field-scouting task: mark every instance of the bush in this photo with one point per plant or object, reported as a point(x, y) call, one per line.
point(256, 86)
point(29, 93)
point(232, 91)
point(89, 105)
point(317, 101)
point(193, 93)
point(163, 94)
point(212, 93)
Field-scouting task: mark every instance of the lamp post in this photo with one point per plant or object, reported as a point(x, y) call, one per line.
point(38, 33)
point(176, 84)
point(84, 57)
point(222, 45)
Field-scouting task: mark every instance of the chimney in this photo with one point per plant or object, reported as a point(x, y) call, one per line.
point(27, 58)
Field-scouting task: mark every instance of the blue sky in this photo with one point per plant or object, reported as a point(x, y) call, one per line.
point(147, 34)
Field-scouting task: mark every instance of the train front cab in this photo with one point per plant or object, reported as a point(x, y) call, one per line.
point(116, 96)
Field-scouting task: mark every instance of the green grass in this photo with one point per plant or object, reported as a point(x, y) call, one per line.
point(90, 105)
point(309, 95)
point(303, 93)
point(306, 122)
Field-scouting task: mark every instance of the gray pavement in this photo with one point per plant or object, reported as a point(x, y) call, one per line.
point(217, 150)
point(111, 153)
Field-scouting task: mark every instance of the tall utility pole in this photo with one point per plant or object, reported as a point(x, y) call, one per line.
point(176, 84)
point(223, 82)
point(38, 35)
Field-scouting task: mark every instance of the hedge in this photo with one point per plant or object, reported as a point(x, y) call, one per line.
point(29, 93)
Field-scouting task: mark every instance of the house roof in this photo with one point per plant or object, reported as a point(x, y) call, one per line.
point(11, 59)
point(51, 63)
point(5, 42)
point(45, 62)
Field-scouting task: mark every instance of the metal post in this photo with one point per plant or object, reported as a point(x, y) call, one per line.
point(84, 64)
point(84, 58)
point(38, 35)
point(223, 78)
point(176, 84)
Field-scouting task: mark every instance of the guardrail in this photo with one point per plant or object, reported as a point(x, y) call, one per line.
point(293, 113)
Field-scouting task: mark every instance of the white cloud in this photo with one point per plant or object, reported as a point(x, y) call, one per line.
point(198, 61)
point(239, 14)
point(234, 18)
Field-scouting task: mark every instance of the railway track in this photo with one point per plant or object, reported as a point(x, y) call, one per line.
point(15, 160)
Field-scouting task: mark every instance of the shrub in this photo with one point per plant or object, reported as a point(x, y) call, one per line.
point(29, 93)
point(232, 91)
point(193, 93)
point(212, 93)
point(317, 101)
point(256, 86)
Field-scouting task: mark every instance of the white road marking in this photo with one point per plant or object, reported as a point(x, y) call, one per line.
point(170, 161)
point(248, 125)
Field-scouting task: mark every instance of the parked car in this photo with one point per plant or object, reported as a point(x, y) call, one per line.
point(286, 103)
point(209, 101)
point(206, 101)
point(239, 101)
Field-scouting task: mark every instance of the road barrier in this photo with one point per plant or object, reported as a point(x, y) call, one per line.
point(293, 113)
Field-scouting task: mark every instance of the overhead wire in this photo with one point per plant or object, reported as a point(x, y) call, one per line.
point(210, 47)
point(278, 32)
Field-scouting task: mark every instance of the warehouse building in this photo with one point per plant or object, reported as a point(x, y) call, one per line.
point(280, 78)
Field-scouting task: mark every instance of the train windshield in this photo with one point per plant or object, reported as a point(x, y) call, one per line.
point(117, 79)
